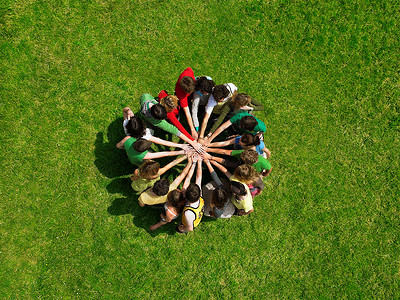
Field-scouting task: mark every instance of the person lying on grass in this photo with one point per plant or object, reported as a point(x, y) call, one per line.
point(241, 195)
point(250, 157)
point(158, 193)
point(155, 114)
point(216, 195)
point(242, 123)
point(220, 94)
point(246, 142)
point(149, 172)
point(194, 208)
point(138, 149)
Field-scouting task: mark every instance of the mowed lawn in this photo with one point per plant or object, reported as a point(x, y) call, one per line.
point(327, 224)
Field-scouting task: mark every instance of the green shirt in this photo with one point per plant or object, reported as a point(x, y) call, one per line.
point(262, 164)
point(145, 101)
point(134, 156)
point(235, 120)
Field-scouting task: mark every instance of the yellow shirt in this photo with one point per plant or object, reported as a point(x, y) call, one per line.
point(198, 212)
point(149, 198)
point(247, 203)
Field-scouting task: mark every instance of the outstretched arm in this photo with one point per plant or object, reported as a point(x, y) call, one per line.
point(199, 173)
point(165, 143)
point(223, 144)
point(219, 151)
point(222, 168)
point(203, 126)
point(190, 121)
point(120, 145)
point(219, 130)
point(189, 176)
point(171, 164)
point(194, 144)
point(151, 155)
point(181, 176)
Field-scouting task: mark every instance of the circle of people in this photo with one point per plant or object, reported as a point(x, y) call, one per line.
point(229, 114)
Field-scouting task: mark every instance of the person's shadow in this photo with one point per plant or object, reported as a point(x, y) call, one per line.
point(114, 164)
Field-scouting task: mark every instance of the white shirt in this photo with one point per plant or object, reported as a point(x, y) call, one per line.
point(211, 102)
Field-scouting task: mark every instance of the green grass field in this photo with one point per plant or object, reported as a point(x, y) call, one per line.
point(327, 224)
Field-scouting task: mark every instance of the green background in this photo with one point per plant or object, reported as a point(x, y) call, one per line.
point(327, 224)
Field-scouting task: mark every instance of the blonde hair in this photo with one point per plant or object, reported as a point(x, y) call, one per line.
point(149, 169)
point(170, 102)
point(246, 174)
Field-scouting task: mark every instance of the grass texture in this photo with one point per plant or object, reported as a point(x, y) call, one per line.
point(327, 224)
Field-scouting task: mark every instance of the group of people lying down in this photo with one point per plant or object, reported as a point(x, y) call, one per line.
point(238, 153)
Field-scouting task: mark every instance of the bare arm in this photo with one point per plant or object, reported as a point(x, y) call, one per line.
point(171, 164)
point(194, 144)
point(219, 130)
point(120, 145)
point(222, 144)
point(165, 143)
point(222, 168)
point(151, 155)
point(181, 176)
point(199, 173)
point(220, 151)
point(204, 125)
point(189, 176)
point(190, 121)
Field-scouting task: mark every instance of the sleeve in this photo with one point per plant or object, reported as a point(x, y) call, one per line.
point(215, 177)
point(210, 105)
point(225, 110)
point(164, 125)
point(257, 105)
point(172, 118)
point(181, 94)
point(236, 153)
point(195, 110)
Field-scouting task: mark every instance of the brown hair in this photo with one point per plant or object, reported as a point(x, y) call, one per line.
point(246, 173)
point(187, 84)
point(175, 197)
point(239, 100)
point(170, 102)
point(248, 123)
point(250, 140)
point(149, 169)
point(249, 157)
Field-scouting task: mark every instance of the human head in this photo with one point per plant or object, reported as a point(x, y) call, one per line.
point(161, 187)
point(187, 84)
point(204, 85)
point(238, 188)
point(149, 169)
point(240, 100)
point(192, 193)
point(246, 173)
point(220, 196)
point(141, 145)
point(170, 102)
point(136, 127)
point(175, 197)
point(249, 140)
point(249, 157)
point(220, 92)
point(158, 112)
point(248, 123)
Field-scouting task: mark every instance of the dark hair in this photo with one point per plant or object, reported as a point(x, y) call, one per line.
point(249, 157)
point(187, 84)
point(250, 140)
point(220, 196)
point(141, 145)
point(238, 188)
point(248, 123)
point(136, 127)
point(204, 85)
point(161, 187)
point(220, 92)
point(246, 173)
point(192, 193)
point(175, 197)
point(158, 112)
